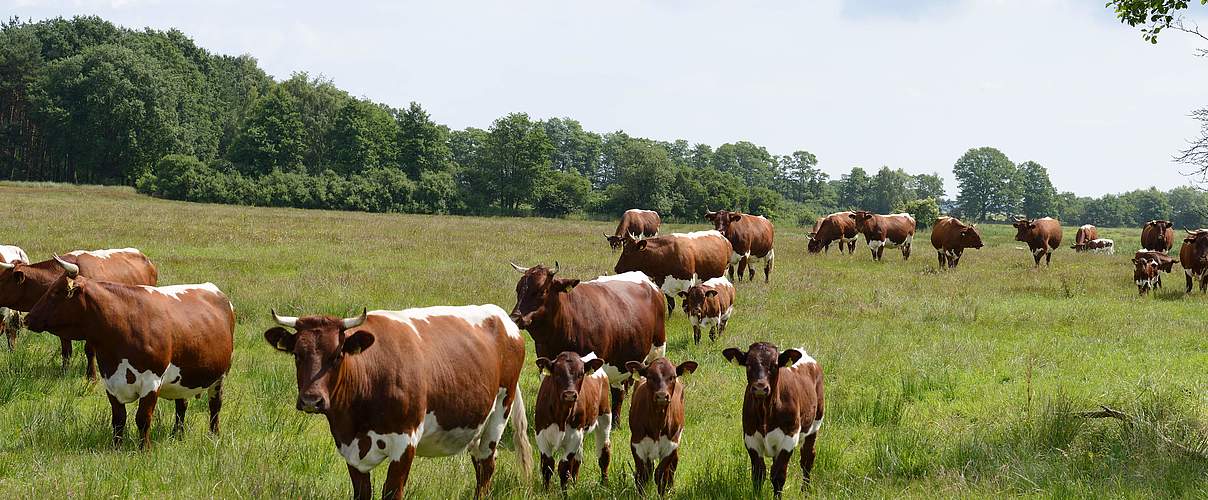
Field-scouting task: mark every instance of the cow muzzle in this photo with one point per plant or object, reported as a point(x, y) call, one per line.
point(760, 390)
point(570, 396)
point(662, 398)
point(312, 404)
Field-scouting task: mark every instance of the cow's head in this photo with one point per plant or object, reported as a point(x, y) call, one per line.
point(565, 374)
point(321, 346)
point(633, 256)
point(1198, 240)
point(1023, 228)
point(696, 299)
point(763, 362)
point(21, 283)
point(63, 302)
point(660, 377)
point(614, 242)
point(722, 219)
point(537, 292)
point(862, 218)
point(970, 237)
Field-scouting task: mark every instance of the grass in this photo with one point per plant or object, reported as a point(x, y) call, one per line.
point(949, 384)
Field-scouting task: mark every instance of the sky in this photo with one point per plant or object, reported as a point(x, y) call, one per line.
point(908, 84)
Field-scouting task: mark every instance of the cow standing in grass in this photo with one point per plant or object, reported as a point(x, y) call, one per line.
point(838, 226)
point(656, 421)
point(709, 305)
point(1157, 235)
point(880, 231)
point(1147, 266)
point(951, 237)
point(1193, 255)
point(10, 320)
point(1042, 236)
point(1085, 234)
point(572, 402)
point(750, 237)
point(637, 223)
point(677, 261)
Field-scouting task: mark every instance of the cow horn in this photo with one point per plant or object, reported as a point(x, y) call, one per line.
point(72, 269)
point(6, 265)
point(556, 267)
point(287, 321)
point(348, 323)
point(519, 269)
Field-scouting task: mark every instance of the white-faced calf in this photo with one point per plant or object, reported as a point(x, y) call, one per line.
point(572, 401)
point(709, 305)
point(656, 421)
point(1146, 275)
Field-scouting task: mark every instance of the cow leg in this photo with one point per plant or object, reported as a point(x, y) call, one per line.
point(641, 471)
point(696, 334)
point(730, 270)
point(721, 329)
point(618, 397)
point(11, 325)
point(712, 333)
point(956, 257)
point(90, 357)
point(943, 260)
point(851, 247)
point(547, 469)
point(604, 445)
point(178, 428)
point(483, 470)
point(665, 476)
point(1048, 257)
point(1188, 274)
point(906, 251)
point(65, 351)
point(565, 471)
point(671, 305)
point(142, 418)
point(118, 418)
point(396, 476)
point(215, 404)
point(1036, 256)
point(362, 486)
point(780, 471)
point(758, 471)
point(808, 453)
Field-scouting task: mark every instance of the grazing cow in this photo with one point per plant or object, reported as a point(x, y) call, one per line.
point(1085, 234)
point(838, 226)
point(427, 382)
point(1100, 245)
point(1158, 235)
point(1165, 262)
point(1042, 236)
point(951, 237)
point(170, 342)
point(638, 223)
point(750, 237)
point(22, 285)
point(10, 320)
point(709, 305)
point(781, 409)
point(882, 231)
point(620, 318)
point(677, 261)
point(1193, 255)
point(656, 421)
point(571, 402)
point(1146, 275)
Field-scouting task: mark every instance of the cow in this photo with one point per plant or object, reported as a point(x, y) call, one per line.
point(1157, 235)
point(709, 305)
point(10, 320)
point(656, 421)
point(620, 318)
point(572, 402)
point(427, 382)
point(1085, 234)
point(781, 409)
point(1146, 275)
point(750, 237)
point(635, 222)
point(1100, 245)
point(677, 261)
point(169, 342)
point(1193, 256)
point(22, 285)
point(951, 237)
point(1042, 236)
point(880, 231)
point(1165, 262)
point(838, 226)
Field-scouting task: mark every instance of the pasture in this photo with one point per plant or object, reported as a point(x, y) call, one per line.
point(951, 384)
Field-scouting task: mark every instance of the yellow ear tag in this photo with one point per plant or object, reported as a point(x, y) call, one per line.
point(71, 287)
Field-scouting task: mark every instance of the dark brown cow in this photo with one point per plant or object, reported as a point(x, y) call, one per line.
point(571, 402)
point(709, 305)
point(636, 223)
point(1146, 275)
point(951, 237)
point(10, 320)
point(1157, 235)
point(169, 342)
point(1085, 234)
point(677, 261)
point(1042, 236)
point(882, 231)
point(620, 318)
point(838, 226)
point(1193, 256)
point(781, 409)
point(427, 382)
point(22, 285)
point(1165, 262)
point(750, 237)
point(656, 421)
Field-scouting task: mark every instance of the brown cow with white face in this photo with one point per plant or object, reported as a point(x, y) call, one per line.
point(838, 226)
point(709, 305)
point(429, 382)
point(1193, 255)
point(782, 409)
point(636, 223)
point(10, 320)
point(750, 237)
point(23, 284)
point(656, 421)
point(880, 231)
point(951, 237)
point(677, 261)
point(169, 342)
point(1042, 236)
point(1085, 234)
point(1157, 235)
point(572, 402)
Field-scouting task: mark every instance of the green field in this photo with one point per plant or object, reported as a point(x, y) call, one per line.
point(950, 384)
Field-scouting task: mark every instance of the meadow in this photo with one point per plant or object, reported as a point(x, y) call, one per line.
point(938, 384)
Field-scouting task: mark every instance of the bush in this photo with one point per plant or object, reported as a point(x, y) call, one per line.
point(561, 194)
point(924, 211)
point(436, 193)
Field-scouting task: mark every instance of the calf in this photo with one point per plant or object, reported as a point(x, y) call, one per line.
point(709, 305)
point(781, 409)
point(571, 402)
point(1085, 234)
point(1158, 235)
point(1146, 275)
point(838, 226)
point(951, 237)
point(882, 231)
point(1193, 255)
point(1100, 245)
point(656, 421)
point(636, 223)
point(750, 237)
point(10, 320)
point(677, 261)
point(1042, 236)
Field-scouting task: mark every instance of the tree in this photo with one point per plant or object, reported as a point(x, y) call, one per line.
point(1196, 154)
point(646, 175)
point(1148, 204)
point(986, 179)
point(561, 193)
point(423, 145)
point(1154, 16)
point(798, 177)
point(890, 188)
point(575, 149)
point(751, 162)
point(1190, 207)
point(1110, 210)
point(1038, 195)
point(319, 104)
point(517, 155)
point(855, 190)
point(928, 186)
point(271, 137)
point(363, 136)
point(925, 211)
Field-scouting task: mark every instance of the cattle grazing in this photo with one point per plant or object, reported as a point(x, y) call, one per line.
point(10, 320)
point(750, 237)
point(656, 421)
point(572, 402)
point(882, 231)
point(1158, 235)
point(709, 305)
point(637, 223)
point(426, 382)
point(1146, 275)
point(1085, 234)
point(677, 261)
point(951, 237)
point(1193, 256)
point(620, 318)
point(781, 409)
point(171, 342)
point(22, 284)
point(1042, 236)
point(838, 226)
point(1100, 245)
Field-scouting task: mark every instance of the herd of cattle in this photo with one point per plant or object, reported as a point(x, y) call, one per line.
point(398, 384)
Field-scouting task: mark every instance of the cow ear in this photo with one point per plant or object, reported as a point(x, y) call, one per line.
point(685, 368)
point(736, 356)
point(641, 245)
point(852, 215)
point(735, 217)
point(19, 276)
point(280, 339)
point(683, 294)
point(358, 342)
point(590, 367)
point(711, 293)
point(565, 286)
point(543, 366)
point(787, 358)
point(636, 368)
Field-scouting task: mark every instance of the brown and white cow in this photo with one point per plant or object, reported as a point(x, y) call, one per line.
point(709, 305)
point(572, 402)
point(838, 226)
point(880, 231)
point(620, 318)
point(1146, 275)
point(169, 342)
point(1085, 234)
point(1100, 245)
point(22, 285)
point(1193, 256)
point(951, 237)
point(677, 261)
point(1042, 236)
point(1157, 235)
point(750, 237)
point(394, 385)
point(656, 421)
point(10, 320)
point(781, 409)
point(637, 223)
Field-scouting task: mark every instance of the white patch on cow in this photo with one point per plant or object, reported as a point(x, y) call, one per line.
point(103, 254)
point(474, 315)
point(629, 277)
point(814, 428)
point(875, 244)
point(712, 233)
point(1038, 252)
point(391, 445)
point(548, 440)
point(436, 441)
point(655, 353)
point(639, 211)
point(170, 387)
point(1086, 227)
point(12, 254)
point(492, 429)
point(1045, 218)
point(735, 257)
point(145, 382)
point(649, 450)
point(672, 286)
point(804, 360)
point(615, 375)
point(774, 443)
point(175, 291)
point(718, 281)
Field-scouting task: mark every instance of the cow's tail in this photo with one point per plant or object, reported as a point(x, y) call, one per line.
point(524, 451)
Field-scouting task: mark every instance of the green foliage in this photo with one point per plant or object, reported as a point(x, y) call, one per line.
point(436, 193)
point(272, 136)
point(561, 194)
point(924, 211)
point(1152, 15)
point(423, 145)
point(645, 177)
point(364, 135)
point(988, 184)
point(1039, 199)
point(517, 153)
